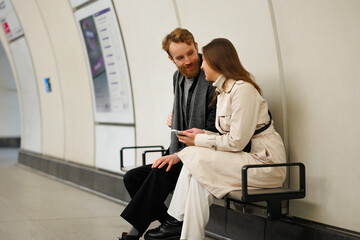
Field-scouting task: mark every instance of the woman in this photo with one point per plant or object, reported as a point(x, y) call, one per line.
point(212, 161)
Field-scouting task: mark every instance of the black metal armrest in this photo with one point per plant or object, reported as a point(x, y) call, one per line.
point(272, 196)
point(135, 147)
point(163, 152)
point(284, 193)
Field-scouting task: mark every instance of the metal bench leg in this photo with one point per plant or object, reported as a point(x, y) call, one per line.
point(227, 208)
point(274, 209)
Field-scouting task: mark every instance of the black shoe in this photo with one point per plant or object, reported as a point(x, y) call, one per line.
point(125, 236)
point(168, 230)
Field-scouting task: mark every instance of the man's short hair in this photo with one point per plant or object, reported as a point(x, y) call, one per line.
point(177, 35)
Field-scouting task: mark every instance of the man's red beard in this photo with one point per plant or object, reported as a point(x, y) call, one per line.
point(193, 71)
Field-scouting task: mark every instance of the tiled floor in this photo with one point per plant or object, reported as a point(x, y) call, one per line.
point(36, 207)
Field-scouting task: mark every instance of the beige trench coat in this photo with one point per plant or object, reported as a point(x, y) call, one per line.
point(216, 159)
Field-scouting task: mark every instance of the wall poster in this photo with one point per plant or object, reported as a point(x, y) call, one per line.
point(9, 21)
point(108, 68)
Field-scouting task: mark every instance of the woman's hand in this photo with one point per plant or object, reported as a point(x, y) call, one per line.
point(195, 131)
point(169, 159)
point(187, 137)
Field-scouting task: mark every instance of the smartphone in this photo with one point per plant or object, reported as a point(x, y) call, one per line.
point(176, 131)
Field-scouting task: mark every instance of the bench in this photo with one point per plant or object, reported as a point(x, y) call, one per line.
point(272, 196)
point(247, 196)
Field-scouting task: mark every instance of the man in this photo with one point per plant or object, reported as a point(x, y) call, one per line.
point(150, 185)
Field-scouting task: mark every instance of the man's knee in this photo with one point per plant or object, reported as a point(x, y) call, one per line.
point(132, 177)
point(162, 175)
point(128, 178)
point(160, 171)
point(136, 176)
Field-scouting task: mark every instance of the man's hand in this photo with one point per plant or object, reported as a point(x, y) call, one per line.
point(169, 159)
point(169, 119)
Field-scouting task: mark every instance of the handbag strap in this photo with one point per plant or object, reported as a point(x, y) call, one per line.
point(264, 127)
point(248, 146)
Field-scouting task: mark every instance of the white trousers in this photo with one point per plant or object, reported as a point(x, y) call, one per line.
point(191, 204)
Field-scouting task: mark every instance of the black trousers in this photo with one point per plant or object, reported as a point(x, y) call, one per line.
point(148, 188)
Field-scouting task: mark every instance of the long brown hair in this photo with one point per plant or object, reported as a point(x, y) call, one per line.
point(222, 57)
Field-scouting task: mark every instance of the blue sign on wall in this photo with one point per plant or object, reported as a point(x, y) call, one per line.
point(47, 85)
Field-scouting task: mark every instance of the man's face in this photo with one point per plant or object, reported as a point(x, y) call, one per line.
point(186, 58)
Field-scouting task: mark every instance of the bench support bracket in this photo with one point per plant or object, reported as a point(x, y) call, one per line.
point(274, 209)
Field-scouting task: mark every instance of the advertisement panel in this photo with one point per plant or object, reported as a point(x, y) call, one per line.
point(9, 21)
point(107, 64)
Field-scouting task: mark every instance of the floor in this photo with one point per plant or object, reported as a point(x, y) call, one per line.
point(34, 206)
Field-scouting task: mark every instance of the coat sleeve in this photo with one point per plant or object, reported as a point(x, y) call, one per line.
point(242, 121)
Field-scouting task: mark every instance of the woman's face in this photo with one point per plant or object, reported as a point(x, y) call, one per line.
point(210, 74)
